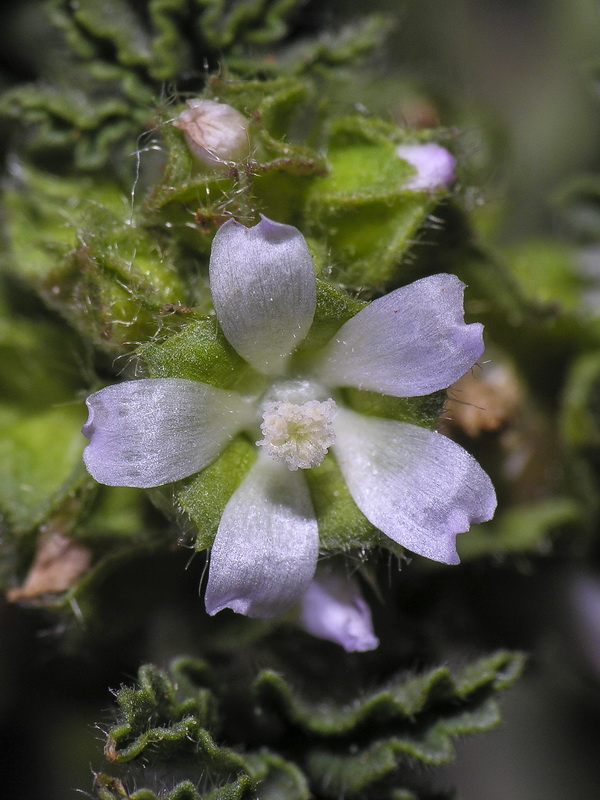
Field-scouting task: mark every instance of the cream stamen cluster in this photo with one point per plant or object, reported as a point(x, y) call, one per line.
point(299, 435)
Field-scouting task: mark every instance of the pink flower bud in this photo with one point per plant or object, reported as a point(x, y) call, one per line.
point(433, 163)
point(333, 608)
point(215, 132)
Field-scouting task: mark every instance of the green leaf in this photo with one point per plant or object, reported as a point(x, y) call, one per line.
point(322, 748)
point(40, 463)
point(255, 21)
point(581, 416)
point(525, 528)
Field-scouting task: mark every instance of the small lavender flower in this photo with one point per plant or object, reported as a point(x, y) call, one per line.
point(434, 166)
point(415, 485)
point(333, 608)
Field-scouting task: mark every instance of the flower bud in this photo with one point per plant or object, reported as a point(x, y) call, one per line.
point(215, 132)
point(433, 163)
point(333, 608)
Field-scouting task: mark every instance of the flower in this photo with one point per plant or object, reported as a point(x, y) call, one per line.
point(333, 608)
point(417, 486)
point(215, 132)
point(434, 166)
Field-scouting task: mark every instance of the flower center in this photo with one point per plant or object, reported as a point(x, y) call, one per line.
point(300, 435)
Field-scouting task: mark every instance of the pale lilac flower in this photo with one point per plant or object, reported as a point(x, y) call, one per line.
point(215, 132)
point(434, 166)
point(333, 608)
point(417, 486)
point(583, 595)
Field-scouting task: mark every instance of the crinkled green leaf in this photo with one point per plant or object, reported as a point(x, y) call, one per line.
point(400, 703)
point(109, 788)
point(354, 772)
point(252, 21)
point(334, 48)
point(153, 716)
point(277, 778)
point(415, 719)
point(315, 749)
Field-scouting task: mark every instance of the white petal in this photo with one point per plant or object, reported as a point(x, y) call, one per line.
point(154, 431)
point(410, 342)
point(265, 552)
point(417, 486)
point(333, 608)
point(263, 289)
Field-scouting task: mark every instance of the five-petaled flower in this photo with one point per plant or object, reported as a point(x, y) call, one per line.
point(417, 486)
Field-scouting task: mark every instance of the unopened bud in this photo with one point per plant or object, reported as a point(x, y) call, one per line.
point(216, 133)
point(333, 608)
point(433, 163)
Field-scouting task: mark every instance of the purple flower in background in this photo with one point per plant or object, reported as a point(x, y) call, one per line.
point(417, 486)
point(333, 608)
point(434, 166)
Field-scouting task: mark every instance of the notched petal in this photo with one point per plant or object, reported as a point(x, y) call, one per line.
point(154, 431)
point(418, 487)
point(411, 342)
point(264, 291)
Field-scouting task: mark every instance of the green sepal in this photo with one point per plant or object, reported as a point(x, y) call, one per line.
point(74, 241)
point(203, 497)
point(42, 212)
point(334, 307)
point(422, 411)
point(342, 526)
point(199, 352)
